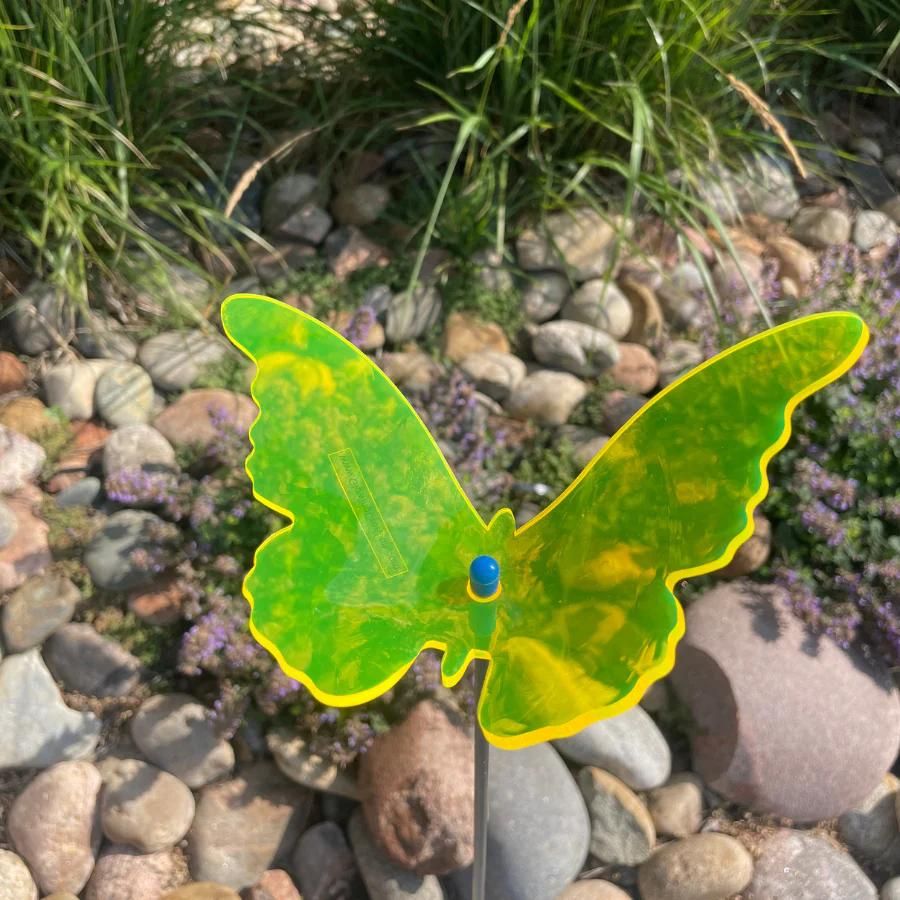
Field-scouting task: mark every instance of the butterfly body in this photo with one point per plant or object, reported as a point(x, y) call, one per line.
point(375, 564)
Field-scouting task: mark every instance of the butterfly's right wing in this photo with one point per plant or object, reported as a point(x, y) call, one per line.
point(373, 565)
point(588, 619)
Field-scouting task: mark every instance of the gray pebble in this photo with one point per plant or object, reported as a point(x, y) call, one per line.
point(176, 359)
point(110, 555)
point(124, 395)
point(538, 826)
point(629, 745)
point(40, 317)
point(323, 864)
point(89, 663)
point(84, 492)
point(30, 740)
point(575, 347)
point(34, 611)
point(134, 447)
point(175, 732)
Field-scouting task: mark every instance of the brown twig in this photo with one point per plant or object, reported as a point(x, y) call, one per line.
point(514, 11)
point(761, 108)
point(249, 176)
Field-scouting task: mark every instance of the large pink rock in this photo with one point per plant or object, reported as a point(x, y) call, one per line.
point(787, 723)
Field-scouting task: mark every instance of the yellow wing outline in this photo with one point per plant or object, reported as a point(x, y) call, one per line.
point(453, 676)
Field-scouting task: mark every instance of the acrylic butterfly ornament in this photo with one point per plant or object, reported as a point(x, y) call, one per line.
point(377, 561)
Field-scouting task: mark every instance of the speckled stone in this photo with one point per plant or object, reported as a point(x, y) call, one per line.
point(55, 826)
point(123, 873)
point(16, 882)
point(20, 460)
point(417, 788)
point(817, 752)
point(805, 867)
point(27, 553)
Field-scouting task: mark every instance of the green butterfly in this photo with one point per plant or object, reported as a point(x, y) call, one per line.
point(373, 567)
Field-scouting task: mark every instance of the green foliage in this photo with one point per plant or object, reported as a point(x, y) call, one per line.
point(550, 462)
point(867, 52)
point(465, 291)
point(589, 413)
point(70, 528)
point(231, 373)
point(326, 294)
point(154, 645)
point(54, 439)
point(529, 106)
point(93, 113)
point(835, 502)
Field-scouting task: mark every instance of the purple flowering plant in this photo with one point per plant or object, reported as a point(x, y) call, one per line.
point(835, 497)
point(218, 527)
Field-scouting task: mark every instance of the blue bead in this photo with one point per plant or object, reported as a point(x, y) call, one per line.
point(484, 576)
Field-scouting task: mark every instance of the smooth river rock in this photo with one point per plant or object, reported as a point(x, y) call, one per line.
point(538, 827)
point(785, 723)
point(36, 741)
point(245, 825)
point(36, 610)
point(145, 807)
point(175, 732)
point(700, 867)
point(55, 826)
point(805, 867)
point(629, 745)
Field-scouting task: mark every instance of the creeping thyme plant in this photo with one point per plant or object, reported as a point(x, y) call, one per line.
point(219, 528)
point(835, 496)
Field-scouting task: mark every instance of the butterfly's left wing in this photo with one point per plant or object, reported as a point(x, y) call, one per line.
point(373, 565)
point(587, 619)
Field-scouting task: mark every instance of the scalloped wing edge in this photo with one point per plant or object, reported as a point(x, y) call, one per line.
point(360, 697)
point(665, 665)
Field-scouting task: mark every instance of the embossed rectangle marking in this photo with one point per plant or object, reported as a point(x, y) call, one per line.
point(359, 496)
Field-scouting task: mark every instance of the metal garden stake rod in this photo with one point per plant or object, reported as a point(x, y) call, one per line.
point(482, 759)
point(484, 584)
